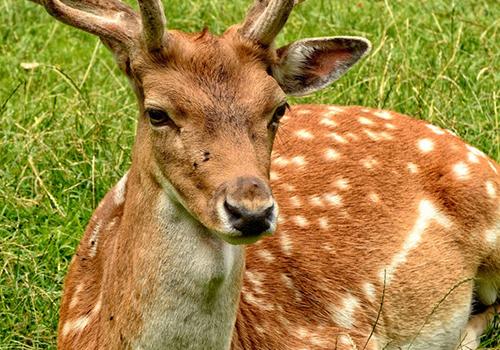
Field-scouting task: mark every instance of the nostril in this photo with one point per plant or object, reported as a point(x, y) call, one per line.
point(248, 222)
point(268, 213)
point(234, 211)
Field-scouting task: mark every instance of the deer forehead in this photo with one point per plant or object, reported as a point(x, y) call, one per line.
point(202, 71)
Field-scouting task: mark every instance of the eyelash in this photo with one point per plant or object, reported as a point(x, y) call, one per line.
point(159, 118)
point(278, 114)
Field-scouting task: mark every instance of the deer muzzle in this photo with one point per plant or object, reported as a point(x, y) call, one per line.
point(247, 209)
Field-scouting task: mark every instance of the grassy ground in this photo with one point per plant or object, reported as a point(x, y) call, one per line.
point(67, 126)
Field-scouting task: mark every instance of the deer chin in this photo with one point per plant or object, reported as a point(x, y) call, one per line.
point(238, 238)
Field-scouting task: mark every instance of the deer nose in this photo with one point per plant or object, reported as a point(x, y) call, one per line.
point(249, 206)
point(250, 222)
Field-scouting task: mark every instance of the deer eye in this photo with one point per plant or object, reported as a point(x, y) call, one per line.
point(278, 114)
point(158, 117)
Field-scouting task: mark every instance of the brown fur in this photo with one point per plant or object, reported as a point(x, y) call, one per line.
point(387, 225)
point(325, 264)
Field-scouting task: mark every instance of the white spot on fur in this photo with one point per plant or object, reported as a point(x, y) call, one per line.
point(285, 243)
point(475, 151)
point(338, 138)
point(75, 299)
point(365, 121)
point(383, 114)
point(256, 279)
point(331, 154)
point(304, 134)
point(390, 126)
point(289, 283)
point(374, 197)
point(295, 201)
point(300, 221)
point(425, 145)
point(345, 339)
point(259, 329)
point(303, 111)
point(76, 326)
point(299, 161)
point(343, 316)
point(258, 302)
point(79, 324)
point(281, 161)
point(352, 136)
point(316, 201)
point(385, 135)
point(435, 129)
point(372, 135)
point(369, 290)
point(315, 339)
point(288, 187)
point(303, 333)
point(490, 189)
point(335, 109)
point(369, 162)
point(427, 213)
point(119, 195)
point(412, 167)
point(281, 219)
point(341, 184)
point(461, 170)
point(273, 175)
point(328, 122)
point(323, 223)
point(492, 166)
point(472, 158)
point(265, 255)
point(491, 236)
point(334, 199)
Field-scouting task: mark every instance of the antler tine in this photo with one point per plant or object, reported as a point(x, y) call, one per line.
point(269, 22)
point(153, 23)
point(103, 26)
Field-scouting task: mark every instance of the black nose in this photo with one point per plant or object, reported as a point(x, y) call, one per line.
point(249, 223)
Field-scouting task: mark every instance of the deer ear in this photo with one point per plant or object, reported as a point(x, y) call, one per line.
point(309, 65)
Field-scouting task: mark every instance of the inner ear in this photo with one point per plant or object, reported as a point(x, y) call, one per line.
point(309, 65)
point(325, 62)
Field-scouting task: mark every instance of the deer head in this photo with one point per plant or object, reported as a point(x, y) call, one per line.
point(210, 106)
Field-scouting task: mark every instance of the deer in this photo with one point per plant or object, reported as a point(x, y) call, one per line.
point(247, 223)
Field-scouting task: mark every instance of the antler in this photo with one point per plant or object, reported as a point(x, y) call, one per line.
point(112, 19)
point(153, 23)
point(107, 19)
point(266, 18)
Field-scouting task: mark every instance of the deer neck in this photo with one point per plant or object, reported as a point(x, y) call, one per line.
point(187, 279)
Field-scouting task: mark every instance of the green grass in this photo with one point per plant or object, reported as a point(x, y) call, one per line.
point(67, 126)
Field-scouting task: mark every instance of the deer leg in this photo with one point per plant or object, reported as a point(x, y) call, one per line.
point(475, 328)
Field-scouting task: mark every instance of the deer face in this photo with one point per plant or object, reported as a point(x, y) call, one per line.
point(209, 116)
point(210, 106)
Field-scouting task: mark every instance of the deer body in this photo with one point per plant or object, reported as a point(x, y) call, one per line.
point(408, 247)
point(388, 225)
point(320, 281)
